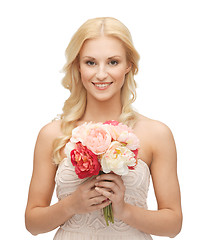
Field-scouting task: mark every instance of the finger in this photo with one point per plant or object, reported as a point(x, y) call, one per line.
point(90, 183)
point(108, 185)
point(112, 177)
point(98, 200)
point(109, 177)
point(100, 206)
point(93, 193)
point(105, 193)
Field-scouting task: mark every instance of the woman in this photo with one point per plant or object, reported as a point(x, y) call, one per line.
point(100, 68)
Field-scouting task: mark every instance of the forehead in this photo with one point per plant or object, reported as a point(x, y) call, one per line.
point(103, 46)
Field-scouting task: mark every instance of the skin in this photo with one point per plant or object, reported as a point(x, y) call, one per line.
point(107, 65)
point(97, 64)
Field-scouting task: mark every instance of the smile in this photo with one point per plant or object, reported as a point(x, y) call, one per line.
point(102, 85)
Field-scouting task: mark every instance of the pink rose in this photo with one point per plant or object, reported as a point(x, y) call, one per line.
point(116, 129)
point(79, 133)
point(130, 139)
point(122, 128)
point(111, 126)
point(112, 122)
point(85, 161)
point(98, 138)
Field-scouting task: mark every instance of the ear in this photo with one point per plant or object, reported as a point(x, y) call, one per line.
point(129, 67)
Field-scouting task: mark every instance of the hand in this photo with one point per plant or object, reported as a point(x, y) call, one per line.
point(112, 187)
point(86, 199)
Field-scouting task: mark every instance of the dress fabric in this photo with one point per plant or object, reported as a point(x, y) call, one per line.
point(92, 226)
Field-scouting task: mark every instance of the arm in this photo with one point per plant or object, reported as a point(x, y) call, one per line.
point(167, 220)
point(40, 217)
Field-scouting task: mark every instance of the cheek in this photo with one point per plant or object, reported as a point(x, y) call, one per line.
point(118, 74)
point(85, 75)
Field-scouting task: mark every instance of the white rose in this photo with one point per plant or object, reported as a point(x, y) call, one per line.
point(117, 159)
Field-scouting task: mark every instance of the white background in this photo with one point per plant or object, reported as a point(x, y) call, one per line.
point(170, 37)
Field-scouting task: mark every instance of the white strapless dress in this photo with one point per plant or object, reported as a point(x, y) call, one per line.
point(92, 226)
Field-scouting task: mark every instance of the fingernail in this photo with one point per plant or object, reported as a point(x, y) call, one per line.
point(98, 177)
point(96, 188)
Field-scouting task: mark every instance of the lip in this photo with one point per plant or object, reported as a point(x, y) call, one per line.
point(102, 83)
point(102, 88)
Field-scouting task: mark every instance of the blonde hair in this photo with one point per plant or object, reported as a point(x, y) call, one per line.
point(75, 105)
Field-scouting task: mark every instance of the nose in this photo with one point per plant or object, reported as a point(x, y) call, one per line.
point(101, 73)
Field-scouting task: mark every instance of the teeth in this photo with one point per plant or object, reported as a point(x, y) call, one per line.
point(102, 85)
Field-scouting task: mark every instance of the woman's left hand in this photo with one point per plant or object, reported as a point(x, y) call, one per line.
point(112, 186)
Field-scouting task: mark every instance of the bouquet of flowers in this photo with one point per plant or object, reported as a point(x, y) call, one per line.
point(102, 147)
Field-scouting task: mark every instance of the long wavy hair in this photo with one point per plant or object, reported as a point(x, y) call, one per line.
point(74, 106)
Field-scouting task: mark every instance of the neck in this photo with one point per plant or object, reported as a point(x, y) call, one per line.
point(101, 111)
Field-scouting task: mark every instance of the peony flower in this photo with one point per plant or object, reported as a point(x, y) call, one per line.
point(122, 128)
point(111, 143)
point(130, 139)
point(116, 129)
point(98, 138)
point(117, 159)
point(79, 133)
point(112, 122)
point(85, 161)
point(135, 153)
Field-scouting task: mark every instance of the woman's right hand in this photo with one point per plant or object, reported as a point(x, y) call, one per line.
point(86, 199)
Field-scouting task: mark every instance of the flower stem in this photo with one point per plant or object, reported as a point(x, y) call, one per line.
point(108, 214)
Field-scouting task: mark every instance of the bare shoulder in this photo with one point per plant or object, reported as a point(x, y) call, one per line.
point(154, 136)
point(153, 127)
point(51, 130)
point(46, 137)
point(44, 143)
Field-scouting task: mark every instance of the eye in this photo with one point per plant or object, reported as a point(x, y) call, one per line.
point(113, 62)
point(90, 63)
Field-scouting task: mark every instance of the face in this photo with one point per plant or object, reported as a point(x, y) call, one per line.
point(103, 65)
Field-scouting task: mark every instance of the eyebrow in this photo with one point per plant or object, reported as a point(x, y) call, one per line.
point(89, 57)
point(115, 56)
